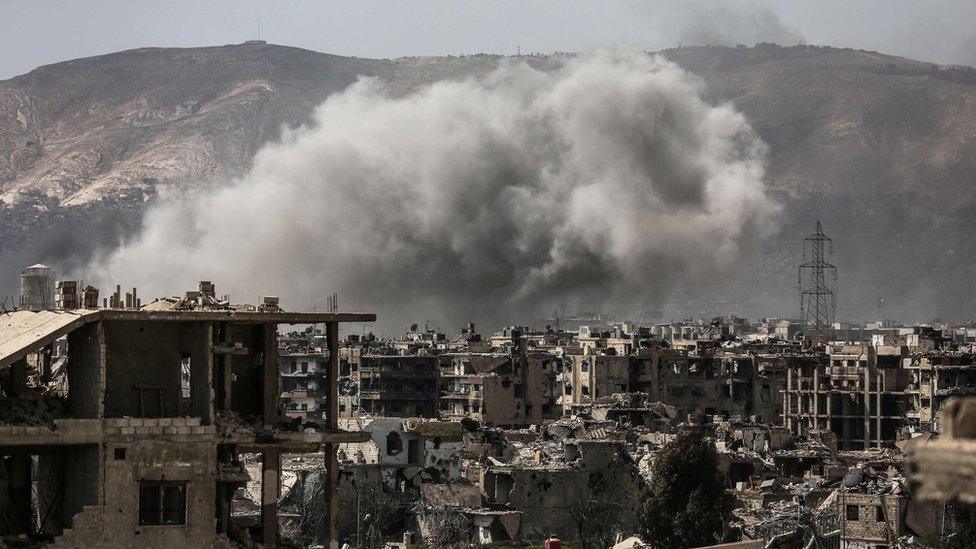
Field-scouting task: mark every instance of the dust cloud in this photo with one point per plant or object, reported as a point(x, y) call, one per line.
point(602, 184)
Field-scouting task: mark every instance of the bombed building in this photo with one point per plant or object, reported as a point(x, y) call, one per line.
point(190, 418)
point(129, 422)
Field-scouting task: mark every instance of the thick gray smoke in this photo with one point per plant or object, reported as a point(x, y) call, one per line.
point(714, 22)
point(602, 184)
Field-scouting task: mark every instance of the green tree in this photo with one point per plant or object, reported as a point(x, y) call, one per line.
point(686, 504)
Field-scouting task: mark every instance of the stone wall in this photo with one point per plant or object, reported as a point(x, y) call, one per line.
point(879, 518)
point(86, 371)
point(125, 465)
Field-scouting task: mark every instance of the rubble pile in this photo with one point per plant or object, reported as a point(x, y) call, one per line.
point(230, 424)
point(32, 408)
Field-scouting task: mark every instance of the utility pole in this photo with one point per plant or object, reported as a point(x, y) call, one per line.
point(818, 282)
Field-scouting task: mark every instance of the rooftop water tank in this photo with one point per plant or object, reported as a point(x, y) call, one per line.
point(37, 288)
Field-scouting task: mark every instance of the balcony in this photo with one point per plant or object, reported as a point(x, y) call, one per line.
point(464, 395)
point(309, 374)
point(845, 372)
point(387, 394)
point(394, 373)
point(304, 393)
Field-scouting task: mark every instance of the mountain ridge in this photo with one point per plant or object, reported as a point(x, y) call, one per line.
point(881, 147)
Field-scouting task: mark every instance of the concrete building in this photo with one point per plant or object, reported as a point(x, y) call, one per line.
point(561, 497)
point(482, 386)
point(938, 376)
point(136, 453)
point(404, 386)
point(850, 392)
point(303, 384)
point(869, 520)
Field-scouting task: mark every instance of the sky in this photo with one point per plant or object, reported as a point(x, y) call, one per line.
point(39, 32)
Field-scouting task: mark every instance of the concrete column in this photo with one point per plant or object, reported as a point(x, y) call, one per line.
point(877, 399)
point(816, 396)
point(332, 422)
point(272, 381)
point(270, 492)
point(829, 411)
point(225, 494)
point(786, 399)
point(227, 380)
point(226, 453)
point(18, 377)
point(200, 336)
point(20, 490)
point(867, 408)
point(222, 363)
point(46, 363)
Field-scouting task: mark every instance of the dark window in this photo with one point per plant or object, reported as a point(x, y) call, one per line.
point(852, 512)
point(415, 451)
point(162, 503)
point(879, 514)
point(394, 444)
point(120, 453)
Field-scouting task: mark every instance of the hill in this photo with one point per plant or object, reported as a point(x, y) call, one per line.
point(880, 147)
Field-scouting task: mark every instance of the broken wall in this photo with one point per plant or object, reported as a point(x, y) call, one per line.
point(499, 404)
point(148, 460)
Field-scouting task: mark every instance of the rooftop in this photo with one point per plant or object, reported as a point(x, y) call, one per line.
point(23, 332)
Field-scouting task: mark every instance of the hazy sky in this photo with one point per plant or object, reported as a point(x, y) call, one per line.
point(37, 32)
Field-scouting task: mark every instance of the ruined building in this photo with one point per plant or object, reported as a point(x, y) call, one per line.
point(405, 386)
point(142, 439)
point(303, 384)
point(510, 386)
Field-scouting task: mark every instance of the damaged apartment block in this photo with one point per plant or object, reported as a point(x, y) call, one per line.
point(126, 425)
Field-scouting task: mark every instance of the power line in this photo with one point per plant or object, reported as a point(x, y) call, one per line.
point(817, 283)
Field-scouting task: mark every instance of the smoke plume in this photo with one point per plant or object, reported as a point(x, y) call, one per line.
point(714, 22)
point(601, 184)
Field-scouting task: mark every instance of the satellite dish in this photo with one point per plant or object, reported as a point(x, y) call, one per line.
point(413, 327)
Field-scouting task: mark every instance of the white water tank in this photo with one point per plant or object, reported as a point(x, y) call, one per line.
point(37, 288)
